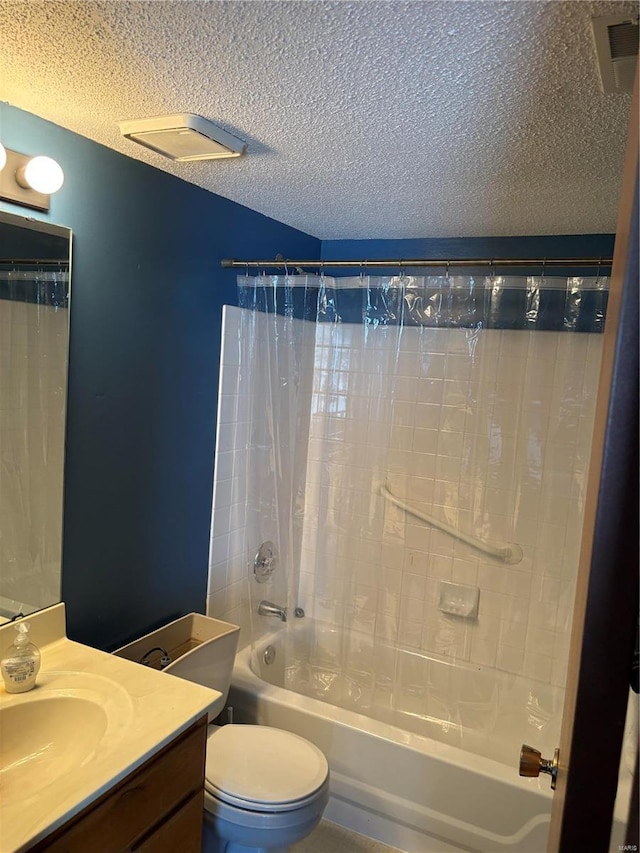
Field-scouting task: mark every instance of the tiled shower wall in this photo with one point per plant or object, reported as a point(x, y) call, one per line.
point(33, 380)
point(489, 432)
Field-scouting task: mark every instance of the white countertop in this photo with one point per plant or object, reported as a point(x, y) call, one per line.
point(147, 709)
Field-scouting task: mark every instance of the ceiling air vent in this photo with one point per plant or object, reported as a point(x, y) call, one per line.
point(183, 137)
point(617, 50)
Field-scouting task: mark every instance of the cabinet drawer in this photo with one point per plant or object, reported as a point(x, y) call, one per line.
point(139, 803)
point(182, 831)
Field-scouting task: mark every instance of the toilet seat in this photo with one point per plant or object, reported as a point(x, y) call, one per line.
point(259, 768)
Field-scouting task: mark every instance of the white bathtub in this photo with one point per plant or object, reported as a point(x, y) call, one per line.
point(438, 774)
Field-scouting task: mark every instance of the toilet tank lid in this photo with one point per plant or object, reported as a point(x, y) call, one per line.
point(260, 764)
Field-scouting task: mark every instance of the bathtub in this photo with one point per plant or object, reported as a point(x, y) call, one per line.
point(426, 761)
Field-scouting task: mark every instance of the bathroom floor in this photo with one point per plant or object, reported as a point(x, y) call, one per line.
point(330, 837)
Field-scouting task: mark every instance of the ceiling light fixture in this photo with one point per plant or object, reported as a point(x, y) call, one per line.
point(28, 181)
point(183, 137)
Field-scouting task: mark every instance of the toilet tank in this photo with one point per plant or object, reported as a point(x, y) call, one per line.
point(201, 649)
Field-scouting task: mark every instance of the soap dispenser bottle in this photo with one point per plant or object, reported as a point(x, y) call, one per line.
point(21, 662)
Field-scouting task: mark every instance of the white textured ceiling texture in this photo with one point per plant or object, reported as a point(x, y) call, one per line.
point(363, 119)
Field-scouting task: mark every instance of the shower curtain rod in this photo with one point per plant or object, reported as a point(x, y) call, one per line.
point(41, 262)
point(403, 263)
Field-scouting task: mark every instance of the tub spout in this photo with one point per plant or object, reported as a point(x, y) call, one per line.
point(268, 608)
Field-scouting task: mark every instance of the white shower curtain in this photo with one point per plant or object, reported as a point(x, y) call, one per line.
point(471, 400)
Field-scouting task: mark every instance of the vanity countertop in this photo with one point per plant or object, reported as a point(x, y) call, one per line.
point(135, 711)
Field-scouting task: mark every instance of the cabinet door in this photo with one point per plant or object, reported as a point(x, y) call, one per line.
point(136, 807)
point(182, 831)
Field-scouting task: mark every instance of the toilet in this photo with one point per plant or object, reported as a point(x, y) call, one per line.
point(265, 788)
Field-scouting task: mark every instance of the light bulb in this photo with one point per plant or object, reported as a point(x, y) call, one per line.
point(3, 157)
point(43, 175)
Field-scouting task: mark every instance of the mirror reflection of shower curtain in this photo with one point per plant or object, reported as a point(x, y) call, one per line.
point(471, 398)
point(33, 380)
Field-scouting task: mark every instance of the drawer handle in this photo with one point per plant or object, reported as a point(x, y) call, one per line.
point(137, 789)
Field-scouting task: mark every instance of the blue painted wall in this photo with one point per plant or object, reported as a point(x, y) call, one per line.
point(558, 310)
point(147, 294)
point(554, 246)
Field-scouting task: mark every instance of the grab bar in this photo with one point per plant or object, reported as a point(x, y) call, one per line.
point(509, 552)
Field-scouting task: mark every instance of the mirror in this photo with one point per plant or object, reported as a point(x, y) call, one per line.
point(34, 340)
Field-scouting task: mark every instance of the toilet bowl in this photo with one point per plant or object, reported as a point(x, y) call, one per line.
point(265, 789)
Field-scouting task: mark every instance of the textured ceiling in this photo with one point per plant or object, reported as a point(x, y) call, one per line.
point(363, 119)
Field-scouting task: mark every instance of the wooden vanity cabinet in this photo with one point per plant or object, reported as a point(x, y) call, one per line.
point(156, 809)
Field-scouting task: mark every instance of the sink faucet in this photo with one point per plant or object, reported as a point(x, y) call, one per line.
point(268, 608)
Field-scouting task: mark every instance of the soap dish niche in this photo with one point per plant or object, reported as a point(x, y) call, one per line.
point(458, 599)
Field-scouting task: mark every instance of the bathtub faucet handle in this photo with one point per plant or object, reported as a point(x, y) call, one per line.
point(268, 608)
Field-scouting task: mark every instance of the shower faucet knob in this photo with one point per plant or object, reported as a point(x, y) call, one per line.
point(265, 562)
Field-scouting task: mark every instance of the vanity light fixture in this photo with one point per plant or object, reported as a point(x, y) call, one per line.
point(29, 181)
point(183, 137)
point(42, 174)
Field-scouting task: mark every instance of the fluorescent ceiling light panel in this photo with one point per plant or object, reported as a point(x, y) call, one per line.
point(183, 137)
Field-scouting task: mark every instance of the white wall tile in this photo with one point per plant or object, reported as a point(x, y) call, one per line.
point(512, 634)
point(541, 640)
point(537, 666)
point(217, 578)
point(464, 572)
point(487, 431)
point(483, 652)
point(510, 659)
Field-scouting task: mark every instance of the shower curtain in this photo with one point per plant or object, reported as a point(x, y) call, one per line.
point(416, 448)
point(33, 381)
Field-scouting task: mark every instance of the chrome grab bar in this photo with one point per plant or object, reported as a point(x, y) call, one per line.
point(509, 552)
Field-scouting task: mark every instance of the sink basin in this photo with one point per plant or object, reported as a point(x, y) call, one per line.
point(44, 739)
point(91, 720)
point(46, 735)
